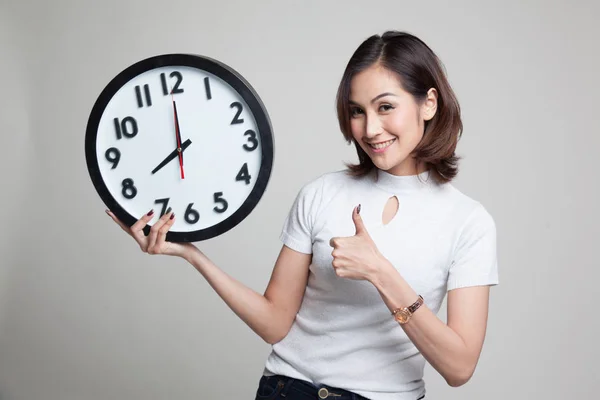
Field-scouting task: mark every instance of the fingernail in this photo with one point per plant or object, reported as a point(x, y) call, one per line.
point(168, 210)
point(172, 216)
point(150, 212)
point(358, 209)
point(107, 212)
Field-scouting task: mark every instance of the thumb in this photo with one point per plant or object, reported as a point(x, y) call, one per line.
point(358, 222)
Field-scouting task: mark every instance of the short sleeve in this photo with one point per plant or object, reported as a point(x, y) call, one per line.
point(475, 260)
point(297, 232)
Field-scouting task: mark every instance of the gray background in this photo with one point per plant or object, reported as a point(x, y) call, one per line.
point(85, 315)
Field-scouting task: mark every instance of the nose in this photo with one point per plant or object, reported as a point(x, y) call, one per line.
point(374, 126)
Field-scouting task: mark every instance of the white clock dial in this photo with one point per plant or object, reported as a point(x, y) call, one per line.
point(162, 109)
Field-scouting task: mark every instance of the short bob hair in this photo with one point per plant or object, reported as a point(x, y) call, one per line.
point(419, 70)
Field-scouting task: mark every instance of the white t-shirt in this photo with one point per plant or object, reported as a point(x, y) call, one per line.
point(344, 335)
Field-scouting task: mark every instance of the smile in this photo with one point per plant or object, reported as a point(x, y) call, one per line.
point(379, 147)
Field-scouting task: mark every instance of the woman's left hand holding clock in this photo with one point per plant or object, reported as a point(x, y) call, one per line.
point(155, 242)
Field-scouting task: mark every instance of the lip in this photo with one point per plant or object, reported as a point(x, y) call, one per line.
point(384, 149)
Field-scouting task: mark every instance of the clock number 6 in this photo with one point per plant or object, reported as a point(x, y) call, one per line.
point(129, 191)
point(191, 216)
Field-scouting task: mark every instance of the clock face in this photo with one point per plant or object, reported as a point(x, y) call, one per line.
point(183, 132)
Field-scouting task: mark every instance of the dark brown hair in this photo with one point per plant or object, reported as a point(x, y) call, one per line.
point(419, 70)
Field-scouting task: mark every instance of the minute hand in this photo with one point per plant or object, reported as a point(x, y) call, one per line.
point(172, 156)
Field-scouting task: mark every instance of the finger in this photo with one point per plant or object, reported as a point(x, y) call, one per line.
point(117, 221)
point(162, 232)
point(358, 222)
point(137, 230)
point(139, 225)
point(155, 228)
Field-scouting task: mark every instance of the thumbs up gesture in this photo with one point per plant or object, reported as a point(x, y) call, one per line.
point(356, 257)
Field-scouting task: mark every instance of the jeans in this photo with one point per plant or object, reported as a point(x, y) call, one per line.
point(280, 387)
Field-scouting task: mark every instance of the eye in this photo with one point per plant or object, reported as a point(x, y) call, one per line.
point(386, 107)
point(355, 111)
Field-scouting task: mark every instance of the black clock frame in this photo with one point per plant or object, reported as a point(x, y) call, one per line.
point(231, 77)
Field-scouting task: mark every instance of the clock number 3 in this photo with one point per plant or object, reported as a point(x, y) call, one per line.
point(252, 140)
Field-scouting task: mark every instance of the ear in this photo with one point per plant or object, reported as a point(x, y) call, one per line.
point(429, 106)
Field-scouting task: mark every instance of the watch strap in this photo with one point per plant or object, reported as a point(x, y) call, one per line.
point(412, 308)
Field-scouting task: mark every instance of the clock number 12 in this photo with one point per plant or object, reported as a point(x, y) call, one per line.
point(176, 89)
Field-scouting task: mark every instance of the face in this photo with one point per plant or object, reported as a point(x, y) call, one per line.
point(386, 121)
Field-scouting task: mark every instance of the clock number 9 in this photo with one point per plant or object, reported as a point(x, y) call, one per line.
point(113, 155)
point(219, 199)
point(129, 191)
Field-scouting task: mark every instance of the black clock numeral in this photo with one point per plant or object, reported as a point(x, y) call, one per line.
point(138, 95)
point(128, 127)
point(191, 216)
point(207, 88)
point(129, 191)
point(165, 203)
point(176, 88)
point(220, 200)
point(251, 139)
point(237, 119)
point(244, 175)
point(113, 155)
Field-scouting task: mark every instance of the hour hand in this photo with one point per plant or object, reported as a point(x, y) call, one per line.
point(172, 156)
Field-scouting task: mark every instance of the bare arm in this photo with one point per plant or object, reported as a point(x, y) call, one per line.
point(270, 315)
point(453, 349)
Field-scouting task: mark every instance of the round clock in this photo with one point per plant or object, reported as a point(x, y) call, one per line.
point(181, 132)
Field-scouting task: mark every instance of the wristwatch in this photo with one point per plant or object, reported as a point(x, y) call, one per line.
point(402, 315)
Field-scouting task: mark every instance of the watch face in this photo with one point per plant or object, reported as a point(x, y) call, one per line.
point(402, 316)
point(184, 132)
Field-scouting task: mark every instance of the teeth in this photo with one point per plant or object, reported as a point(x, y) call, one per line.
point(382, 145)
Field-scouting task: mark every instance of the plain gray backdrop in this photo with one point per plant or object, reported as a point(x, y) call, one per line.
point(85, 315)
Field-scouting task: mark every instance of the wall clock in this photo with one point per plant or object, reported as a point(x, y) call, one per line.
point(185, 132)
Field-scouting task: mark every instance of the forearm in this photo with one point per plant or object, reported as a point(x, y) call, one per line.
point(441, 346)
point(252, 307)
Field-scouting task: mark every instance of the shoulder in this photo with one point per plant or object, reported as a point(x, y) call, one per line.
point(471, 213)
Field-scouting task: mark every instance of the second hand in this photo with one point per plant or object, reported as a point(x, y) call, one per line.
point(177, 136)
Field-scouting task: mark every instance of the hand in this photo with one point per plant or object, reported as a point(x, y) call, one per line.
point(178, 136)
point(172, 156)
point(356, 257)
point(155, 242)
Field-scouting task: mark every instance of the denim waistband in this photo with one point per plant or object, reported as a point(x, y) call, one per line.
point(321, 391)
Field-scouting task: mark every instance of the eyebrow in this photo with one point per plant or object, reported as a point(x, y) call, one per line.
point(375, 98)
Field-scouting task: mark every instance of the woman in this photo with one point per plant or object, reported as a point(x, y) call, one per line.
point(369, 252)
